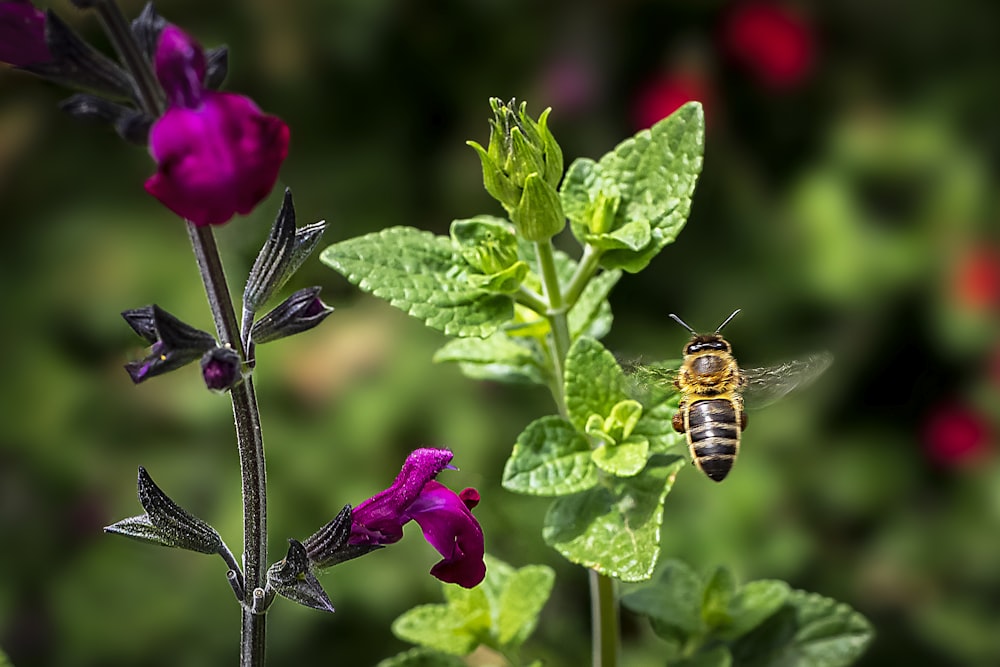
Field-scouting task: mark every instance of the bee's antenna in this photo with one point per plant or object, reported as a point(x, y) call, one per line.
point(683, 324)
point(735, 313)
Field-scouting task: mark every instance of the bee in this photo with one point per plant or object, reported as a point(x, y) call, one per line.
point(712, 386)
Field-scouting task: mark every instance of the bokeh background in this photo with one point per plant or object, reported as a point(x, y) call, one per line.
point(848, 202)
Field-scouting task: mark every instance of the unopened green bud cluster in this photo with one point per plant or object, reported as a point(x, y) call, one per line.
point(522, 167)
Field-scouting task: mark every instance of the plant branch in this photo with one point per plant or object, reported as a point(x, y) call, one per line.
point(585, 270)
point(555, 313)
point(604, 617)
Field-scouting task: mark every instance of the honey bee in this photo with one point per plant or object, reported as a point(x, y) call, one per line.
point(712, 387)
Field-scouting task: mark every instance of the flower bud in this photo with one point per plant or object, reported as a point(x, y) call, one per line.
point(300, 312)
point(174, 343)
point(220, 368)
point(518, 148)
point(539, 215)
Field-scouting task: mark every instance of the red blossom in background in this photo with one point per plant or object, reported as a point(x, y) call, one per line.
point(22, 34)
point(665, 94)
point(956, 435)
point(217, 153)
point(775, 43)
point(977, 279)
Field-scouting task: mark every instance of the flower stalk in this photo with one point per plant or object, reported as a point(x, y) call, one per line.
point(245, 411)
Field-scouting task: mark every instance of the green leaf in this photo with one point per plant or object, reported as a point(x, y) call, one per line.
point(653, 175)
point(422, 657)
point(591, 314)
point(752, 605)
point(625, 459)
point(497, 357)
point(717, 656)
point(655, 425)
point(448, 628)
point(418, 273)
point(672, 601)
point(614, 529)
point(632, 236)
point(594, 381)
point(809, 630)
point(719, 592)
point(523, 597)
point(550, 458)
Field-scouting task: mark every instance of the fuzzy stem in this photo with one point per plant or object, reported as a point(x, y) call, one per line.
point(249, 442)
point(245, 412)
point(603, 601)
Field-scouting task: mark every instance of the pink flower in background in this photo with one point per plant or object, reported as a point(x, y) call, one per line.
point(22, 34)
point(956, 435)
point(217, 153)
point(775, 43)
point(977, 281)
point(663, 95)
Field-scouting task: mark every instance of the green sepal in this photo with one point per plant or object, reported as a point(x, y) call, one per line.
point(498, 357)
point(495, 181)
point(550, 458)
point(415, 272)
point(615, 528)
point(538, 215)
point(809, 630)
point(506, 281)
point(624, 459)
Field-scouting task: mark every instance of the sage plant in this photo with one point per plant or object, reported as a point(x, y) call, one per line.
point(518, 310)
point(218, 155)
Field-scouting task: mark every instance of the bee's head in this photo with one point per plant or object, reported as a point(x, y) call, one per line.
point(713, 342)
point(708, 343)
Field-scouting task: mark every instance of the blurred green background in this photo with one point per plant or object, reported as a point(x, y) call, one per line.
point(848, 202)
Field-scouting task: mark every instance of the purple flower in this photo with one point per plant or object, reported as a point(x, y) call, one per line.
point(217, 153)
point(22, 34)
point(444, 516)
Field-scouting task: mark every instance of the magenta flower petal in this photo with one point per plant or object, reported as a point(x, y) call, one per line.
point(217, 160)
point(22, 34)
point(450, 528)
point(217, 153)
point(443, 515)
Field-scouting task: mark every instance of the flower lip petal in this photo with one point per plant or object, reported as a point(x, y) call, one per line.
point(449, 527)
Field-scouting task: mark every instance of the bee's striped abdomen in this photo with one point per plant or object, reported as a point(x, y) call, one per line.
point(713, 435)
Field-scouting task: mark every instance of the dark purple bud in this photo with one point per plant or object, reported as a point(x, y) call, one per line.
point(75, 63)
point(130, 124)
point(220, 367)
point(146, 28)
point(300, 312)
point(174, 343)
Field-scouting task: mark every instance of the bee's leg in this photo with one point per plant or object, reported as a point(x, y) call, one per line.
point(743, 421)
point(678, 419)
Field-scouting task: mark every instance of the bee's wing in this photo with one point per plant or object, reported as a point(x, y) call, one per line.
point(763, 386)
point(653, 381)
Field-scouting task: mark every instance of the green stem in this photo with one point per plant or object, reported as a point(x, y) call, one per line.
point(245, 411)
point(556, 312)
point(603, 600)
point(585, 270)
point(604, 617)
